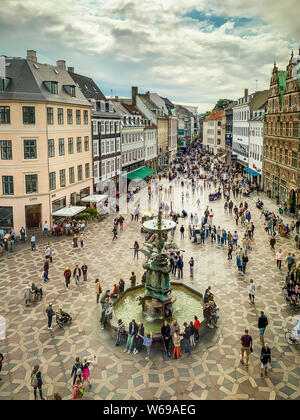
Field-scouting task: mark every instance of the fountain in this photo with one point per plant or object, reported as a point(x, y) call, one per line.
point(158, 298)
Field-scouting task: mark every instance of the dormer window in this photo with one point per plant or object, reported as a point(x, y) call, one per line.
point(52, 87)
point(4, 83)
point(70, 89)
point(124, 120)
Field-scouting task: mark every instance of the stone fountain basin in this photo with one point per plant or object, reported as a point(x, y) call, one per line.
point(189, 302)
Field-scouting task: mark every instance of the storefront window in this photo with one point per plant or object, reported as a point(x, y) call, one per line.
point(58, 204)
point(6, 217)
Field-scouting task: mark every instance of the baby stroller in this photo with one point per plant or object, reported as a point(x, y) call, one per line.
point(63, 319)
point(293, 336)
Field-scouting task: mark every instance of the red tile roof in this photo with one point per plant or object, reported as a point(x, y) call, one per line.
point(215, 115)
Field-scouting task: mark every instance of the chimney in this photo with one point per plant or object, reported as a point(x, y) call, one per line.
point(116, 98)
point(71, 69)
point(61, 64)
point(245, 92)
point(148, 94)
point(31, 56)
point(134, 92)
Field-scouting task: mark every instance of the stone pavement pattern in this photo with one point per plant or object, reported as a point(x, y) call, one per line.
point(212, 372)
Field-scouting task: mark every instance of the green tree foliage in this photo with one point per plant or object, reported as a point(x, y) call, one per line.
point(222, 104)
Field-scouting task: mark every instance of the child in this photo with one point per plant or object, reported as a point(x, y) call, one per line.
point(147, 341)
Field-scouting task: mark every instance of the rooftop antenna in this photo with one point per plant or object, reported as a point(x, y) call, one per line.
point(111, 93)
point(256, 85)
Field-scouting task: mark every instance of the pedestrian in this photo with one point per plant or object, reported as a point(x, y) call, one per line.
point(22, 234)
point(48, 253)
point(67, 276)
point(132, 279)
point(50, 313)
point(121, 286)
point(108, 314)
point(46, 270)
point(81, 240)
point(32, 241)
point(290, 261)
point(193, 334)
point(187, 335)
point(147, 342)
point(176, 341)
point(179, 267)
point(136, 248)
point(196, 325)
point(166, 335)
point(98, 289)
point(78, 390)
point(46, 229)
point(77, 370)
point(120, 331)
point(272, 242)
point(115, 232)
point(229, 255)
point(246, 346)
point(279, 258)
point(86, 369)
point(182, 231)
point(121, 222)
point(239, 262)
point(36, 382)
point(75, 241)
point(262, 325)
point(1, 363)
point(207, 315)
point(84, 269)
point(252, 292)
point(244, 263)
point(191, 263)
point(265, 358)
point(77, 274)
point(132, 332)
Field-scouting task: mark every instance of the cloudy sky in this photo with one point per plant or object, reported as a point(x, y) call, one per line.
point(192, 51)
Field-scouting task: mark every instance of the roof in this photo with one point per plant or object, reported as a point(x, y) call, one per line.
point(168, 103)
point(259, 100)
point(120, 108)
point(88, 87)
point(27, 83)
point(215, 115)
point(181, 109)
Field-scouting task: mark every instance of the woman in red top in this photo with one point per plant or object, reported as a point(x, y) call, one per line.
point(196, 325)
point(115, 292)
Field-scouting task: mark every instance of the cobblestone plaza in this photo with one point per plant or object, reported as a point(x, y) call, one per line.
point(212, 372)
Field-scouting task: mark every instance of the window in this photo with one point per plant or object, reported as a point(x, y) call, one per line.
point(86, 117)
point(95, 148)
point(62, 177)
point(112, 165)
point(28, 115)
point(112, 146)
point(4, 83)
point(78, 116)
point(31, 184)
point(86, 144)
point(107, 127)
point(70, 89)
point(70, 116)
point(52, 87)
point(108, 167)
point(30, 149)
point(112, 127)
point(52, 181)
point(51, 148)
point(4, 115)
point(71, 175)
point(87, 170)
point(96, 169)
point(79, 172)
point(118, 145)
point(6, 149)
point(78, 144)
point(286, 157)
point(70, 145)
point(107, 146)
point(102, 127)
point(61, 147)
point(294, 159)
point(102, 147)
point(95, 127)
point(103, 169)
point(8, 185)
point(60, 115)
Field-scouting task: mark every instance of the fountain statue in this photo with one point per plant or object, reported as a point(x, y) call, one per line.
point(158, 298)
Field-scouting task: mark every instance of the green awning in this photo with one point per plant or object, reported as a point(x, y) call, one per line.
point(140, 173)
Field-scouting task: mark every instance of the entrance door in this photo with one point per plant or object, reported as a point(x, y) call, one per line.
point(33, 216)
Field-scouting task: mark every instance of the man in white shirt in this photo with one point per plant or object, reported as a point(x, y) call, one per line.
point(32, 240)
point(46, 228)
point(251, 291)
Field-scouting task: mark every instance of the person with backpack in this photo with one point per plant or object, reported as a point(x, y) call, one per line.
point(77, 370)
point(78, 390)
point(262, 325)
point(67, 276)
point(36, 381)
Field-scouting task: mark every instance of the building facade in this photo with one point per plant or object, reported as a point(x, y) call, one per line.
point(105, 128)
point(212, 132)
point(45, 140)
point(256, 144)
point(228, 132)
point(282, 136)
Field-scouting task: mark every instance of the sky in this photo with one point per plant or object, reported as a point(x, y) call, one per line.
point(191, 51)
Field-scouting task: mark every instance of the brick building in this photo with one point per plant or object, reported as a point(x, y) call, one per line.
point(282, 135)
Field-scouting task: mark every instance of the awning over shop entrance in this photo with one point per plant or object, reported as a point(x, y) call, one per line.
point(251, 172)
point(139, 173)
point(69, 211)
point(96, 198)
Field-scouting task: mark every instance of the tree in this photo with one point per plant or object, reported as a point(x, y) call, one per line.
point(222, 104)
point(206, 114)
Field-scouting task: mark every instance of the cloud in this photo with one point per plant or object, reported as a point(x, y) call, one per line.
point(194, 51)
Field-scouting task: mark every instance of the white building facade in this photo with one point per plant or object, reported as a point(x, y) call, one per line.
point(256, 145)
